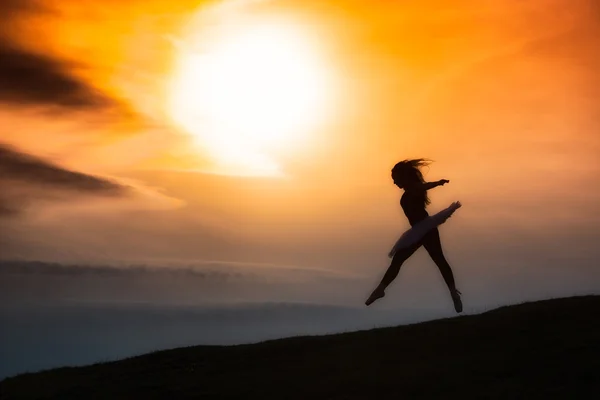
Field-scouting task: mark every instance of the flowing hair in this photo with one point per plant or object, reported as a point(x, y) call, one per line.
point(409, 172)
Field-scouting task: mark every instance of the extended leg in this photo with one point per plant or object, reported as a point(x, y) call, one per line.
point(433, 245)
point(392, 272)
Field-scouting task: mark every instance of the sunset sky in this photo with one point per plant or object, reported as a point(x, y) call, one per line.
point(257, 137)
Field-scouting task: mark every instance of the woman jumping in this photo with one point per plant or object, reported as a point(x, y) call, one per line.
point(407, 176)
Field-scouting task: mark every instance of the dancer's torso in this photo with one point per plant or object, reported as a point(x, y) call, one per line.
point(413, 205)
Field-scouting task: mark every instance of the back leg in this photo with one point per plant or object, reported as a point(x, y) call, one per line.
point(391, 273)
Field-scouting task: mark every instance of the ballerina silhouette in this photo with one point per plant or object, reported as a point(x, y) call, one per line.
point(407, 176)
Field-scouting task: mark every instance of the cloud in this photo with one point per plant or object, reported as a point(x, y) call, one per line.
point(204, 270)
point(28, 78)
point(20, 166)
point(26, 179)
point(208, 272)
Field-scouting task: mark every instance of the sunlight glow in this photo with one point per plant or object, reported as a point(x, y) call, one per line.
point(249, 96)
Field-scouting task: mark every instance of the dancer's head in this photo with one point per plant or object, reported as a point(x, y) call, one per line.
point(407, 173)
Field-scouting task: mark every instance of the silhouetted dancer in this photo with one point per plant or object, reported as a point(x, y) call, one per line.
point(407, 175)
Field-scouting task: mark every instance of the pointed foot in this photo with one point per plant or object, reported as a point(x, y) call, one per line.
point(377, 294)
point(458, 306)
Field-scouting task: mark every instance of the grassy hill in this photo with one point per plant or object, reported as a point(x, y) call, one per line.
point(541, 350)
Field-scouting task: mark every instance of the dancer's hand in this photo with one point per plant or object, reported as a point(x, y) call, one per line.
point(442, 182)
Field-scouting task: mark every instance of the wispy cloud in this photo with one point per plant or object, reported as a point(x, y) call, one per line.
point(206, 270)
point(22, 167)
point(26, 179)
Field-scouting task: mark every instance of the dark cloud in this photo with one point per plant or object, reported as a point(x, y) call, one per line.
point(34, 78)
point(37, 79)
point(20, 166)
point(25, 178)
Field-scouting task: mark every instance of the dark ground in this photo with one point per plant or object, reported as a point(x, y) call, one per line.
point(542, 350)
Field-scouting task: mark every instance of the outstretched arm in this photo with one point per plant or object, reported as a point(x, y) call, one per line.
point(431, 185)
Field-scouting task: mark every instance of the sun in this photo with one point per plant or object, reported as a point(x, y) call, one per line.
point(249, 95)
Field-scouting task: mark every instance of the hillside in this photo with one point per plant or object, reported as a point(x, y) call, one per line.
point(541, 350)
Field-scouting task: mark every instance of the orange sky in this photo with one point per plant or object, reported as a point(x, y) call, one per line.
point(502, 95)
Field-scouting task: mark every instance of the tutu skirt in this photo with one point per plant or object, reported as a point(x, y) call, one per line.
point(421, 228)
